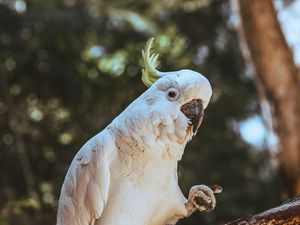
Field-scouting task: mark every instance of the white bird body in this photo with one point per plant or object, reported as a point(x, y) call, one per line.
point(127, 174)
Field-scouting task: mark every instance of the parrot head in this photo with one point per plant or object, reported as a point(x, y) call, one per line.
point(184, 94)
point(167, 115)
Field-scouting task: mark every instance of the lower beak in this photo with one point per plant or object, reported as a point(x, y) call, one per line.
point(193, 110)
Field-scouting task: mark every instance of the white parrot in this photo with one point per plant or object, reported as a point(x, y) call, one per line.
point(127, 173)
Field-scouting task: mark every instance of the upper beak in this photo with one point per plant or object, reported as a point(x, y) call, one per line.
point(194, 111)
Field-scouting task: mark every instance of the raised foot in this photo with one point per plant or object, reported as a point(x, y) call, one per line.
point(202, 198)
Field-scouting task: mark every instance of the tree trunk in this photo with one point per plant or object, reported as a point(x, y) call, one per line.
point(278, 79)
point(288, 213)
point(20, 143)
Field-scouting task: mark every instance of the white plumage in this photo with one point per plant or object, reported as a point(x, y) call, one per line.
point(127, 174)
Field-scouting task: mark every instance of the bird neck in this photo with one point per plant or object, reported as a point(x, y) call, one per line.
point(143, 135)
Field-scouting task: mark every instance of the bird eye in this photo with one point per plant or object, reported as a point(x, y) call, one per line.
point(172, 94)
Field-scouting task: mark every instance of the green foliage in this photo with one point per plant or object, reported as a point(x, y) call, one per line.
point(67, 69)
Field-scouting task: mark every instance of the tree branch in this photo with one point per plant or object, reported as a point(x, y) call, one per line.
point(287, 213)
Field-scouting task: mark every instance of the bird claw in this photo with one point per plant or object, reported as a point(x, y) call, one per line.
point(202, 198)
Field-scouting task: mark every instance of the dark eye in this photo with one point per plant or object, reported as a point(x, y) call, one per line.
point(172, 94)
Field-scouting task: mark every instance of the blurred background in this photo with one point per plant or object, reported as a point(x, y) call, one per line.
point(68, 67)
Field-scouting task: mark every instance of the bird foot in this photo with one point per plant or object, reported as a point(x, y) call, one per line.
point(202, 198)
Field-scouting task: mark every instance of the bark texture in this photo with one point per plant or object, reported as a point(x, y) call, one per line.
point(277, 78)
point(286, 214)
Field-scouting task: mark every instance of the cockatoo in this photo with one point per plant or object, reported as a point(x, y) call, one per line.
point(127, 173)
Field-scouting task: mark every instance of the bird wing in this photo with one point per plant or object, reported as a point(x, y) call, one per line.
point(85, 189)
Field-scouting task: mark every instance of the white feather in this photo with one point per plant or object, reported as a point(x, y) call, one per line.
point(127, 174)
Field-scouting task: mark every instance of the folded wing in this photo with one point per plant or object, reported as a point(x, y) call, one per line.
point(85, 189)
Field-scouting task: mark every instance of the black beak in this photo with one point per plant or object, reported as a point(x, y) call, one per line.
point(194, 111)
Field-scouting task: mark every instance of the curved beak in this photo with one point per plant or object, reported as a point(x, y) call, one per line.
point(193, 110)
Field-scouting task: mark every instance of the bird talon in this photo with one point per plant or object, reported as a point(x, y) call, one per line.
point(202, 198)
